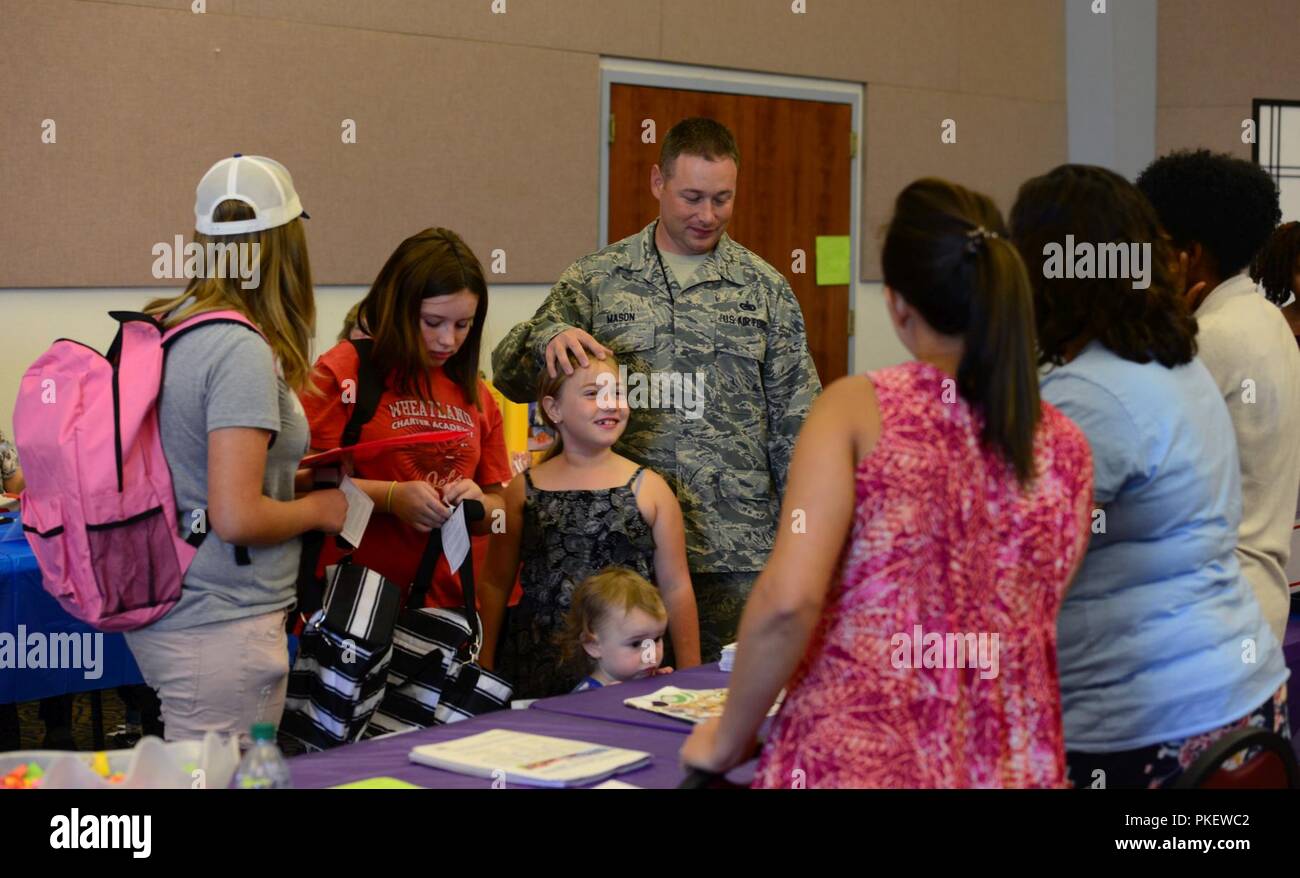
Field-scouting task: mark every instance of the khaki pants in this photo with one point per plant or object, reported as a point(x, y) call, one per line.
point(222, 677)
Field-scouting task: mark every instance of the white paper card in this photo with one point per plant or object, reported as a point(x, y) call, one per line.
point(536, 760)
point(455, 538)
point(359, 508)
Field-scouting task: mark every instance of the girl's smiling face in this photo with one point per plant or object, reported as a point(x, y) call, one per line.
point(589, 408)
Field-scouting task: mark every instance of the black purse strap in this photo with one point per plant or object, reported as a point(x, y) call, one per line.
point(429, 563)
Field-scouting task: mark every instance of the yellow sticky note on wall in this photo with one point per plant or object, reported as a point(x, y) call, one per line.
point(832, 260)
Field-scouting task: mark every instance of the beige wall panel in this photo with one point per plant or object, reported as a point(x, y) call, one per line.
point(1000, 143)
point(1216, 128)
point(1014, 48)
point(912, 43)
point(497, 142)
point(612, 27)
point(210, 7)
point(1215, 54)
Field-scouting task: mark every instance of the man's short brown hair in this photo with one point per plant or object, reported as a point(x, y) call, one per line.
point(699, 136)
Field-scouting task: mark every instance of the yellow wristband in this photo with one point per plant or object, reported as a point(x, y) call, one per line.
point(388, 504)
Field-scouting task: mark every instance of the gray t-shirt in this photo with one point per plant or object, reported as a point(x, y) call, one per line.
point(684, 266)
point(219, 376)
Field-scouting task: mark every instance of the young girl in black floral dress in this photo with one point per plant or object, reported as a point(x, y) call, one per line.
point(581, 510)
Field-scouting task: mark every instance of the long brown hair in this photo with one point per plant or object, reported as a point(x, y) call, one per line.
point(282, 305)
point(434, 262)
point(947, 254)
point(548, 386)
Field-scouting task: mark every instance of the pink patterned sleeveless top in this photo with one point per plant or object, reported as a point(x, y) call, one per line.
point(934, 663)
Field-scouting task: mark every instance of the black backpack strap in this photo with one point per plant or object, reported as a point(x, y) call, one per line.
point(370, 386)
point(242, 558)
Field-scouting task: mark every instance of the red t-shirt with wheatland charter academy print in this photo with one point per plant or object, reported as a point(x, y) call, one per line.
point(390, 545)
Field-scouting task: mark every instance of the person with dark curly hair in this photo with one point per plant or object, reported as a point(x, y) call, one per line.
point(1220, 211)
point(1277, 271)
point(1150, 636)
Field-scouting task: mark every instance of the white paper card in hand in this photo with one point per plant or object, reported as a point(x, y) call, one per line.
point(455, 538)
point(359, 508)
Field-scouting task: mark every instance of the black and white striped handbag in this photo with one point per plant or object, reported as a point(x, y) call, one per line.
point(434, 677)
point(339, 676)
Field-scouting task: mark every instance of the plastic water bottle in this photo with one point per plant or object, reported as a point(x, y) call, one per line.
point(263, 767)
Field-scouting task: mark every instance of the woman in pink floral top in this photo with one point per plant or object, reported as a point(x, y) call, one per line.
point(935, 514)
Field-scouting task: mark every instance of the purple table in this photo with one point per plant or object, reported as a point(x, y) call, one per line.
point(607, 704)
point(1291, 650)
point(387, 757)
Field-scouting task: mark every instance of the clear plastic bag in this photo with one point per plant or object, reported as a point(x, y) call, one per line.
point(152, 764)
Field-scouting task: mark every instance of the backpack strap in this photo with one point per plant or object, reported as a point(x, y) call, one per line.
point(242, 557)
point(191, 323)
point(370, 387)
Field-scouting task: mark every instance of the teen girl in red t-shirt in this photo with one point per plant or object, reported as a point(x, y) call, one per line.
point(425, 313)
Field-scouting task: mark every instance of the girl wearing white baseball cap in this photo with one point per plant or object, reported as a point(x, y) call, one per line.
point(233, 433)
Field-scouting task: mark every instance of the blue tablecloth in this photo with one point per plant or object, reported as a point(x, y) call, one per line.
point(23, 602)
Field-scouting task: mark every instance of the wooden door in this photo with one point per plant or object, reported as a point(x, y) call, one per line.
point(794, 184)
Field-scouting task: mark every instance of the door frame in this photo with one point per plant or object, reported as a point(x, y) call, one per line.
point(686, 77)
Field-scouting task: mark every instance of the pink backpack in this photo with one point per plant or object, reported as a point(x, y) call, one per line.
point(99, 511)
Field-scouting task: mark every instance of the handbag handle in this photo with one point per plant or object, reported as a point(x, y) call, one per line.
point(474, 511)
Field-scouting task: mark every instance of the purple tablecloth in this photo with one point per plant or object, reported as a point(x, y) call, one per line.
point(1291, 651)
point(607, 704)
point(387, 757)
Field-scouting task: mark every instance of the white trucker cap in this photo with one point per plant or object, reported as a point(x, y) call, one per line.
point(261, 183)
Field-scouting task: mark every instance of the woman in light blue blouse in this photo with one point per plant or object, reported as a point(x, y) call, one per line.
point(1162, 646)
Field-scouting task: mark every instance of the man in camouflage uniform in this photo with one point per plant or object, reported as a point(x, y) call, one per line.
point(681, 298)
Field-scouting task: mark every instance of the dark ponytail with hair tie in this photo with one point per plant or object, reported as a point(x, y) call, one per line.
point(947, 254)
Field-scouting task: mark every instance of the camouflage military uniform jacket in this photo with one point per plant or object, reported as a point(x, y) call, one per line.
point(725, 449)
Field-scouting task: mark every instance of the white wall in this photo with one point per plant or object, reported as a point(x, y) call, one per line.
point(32, 319)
